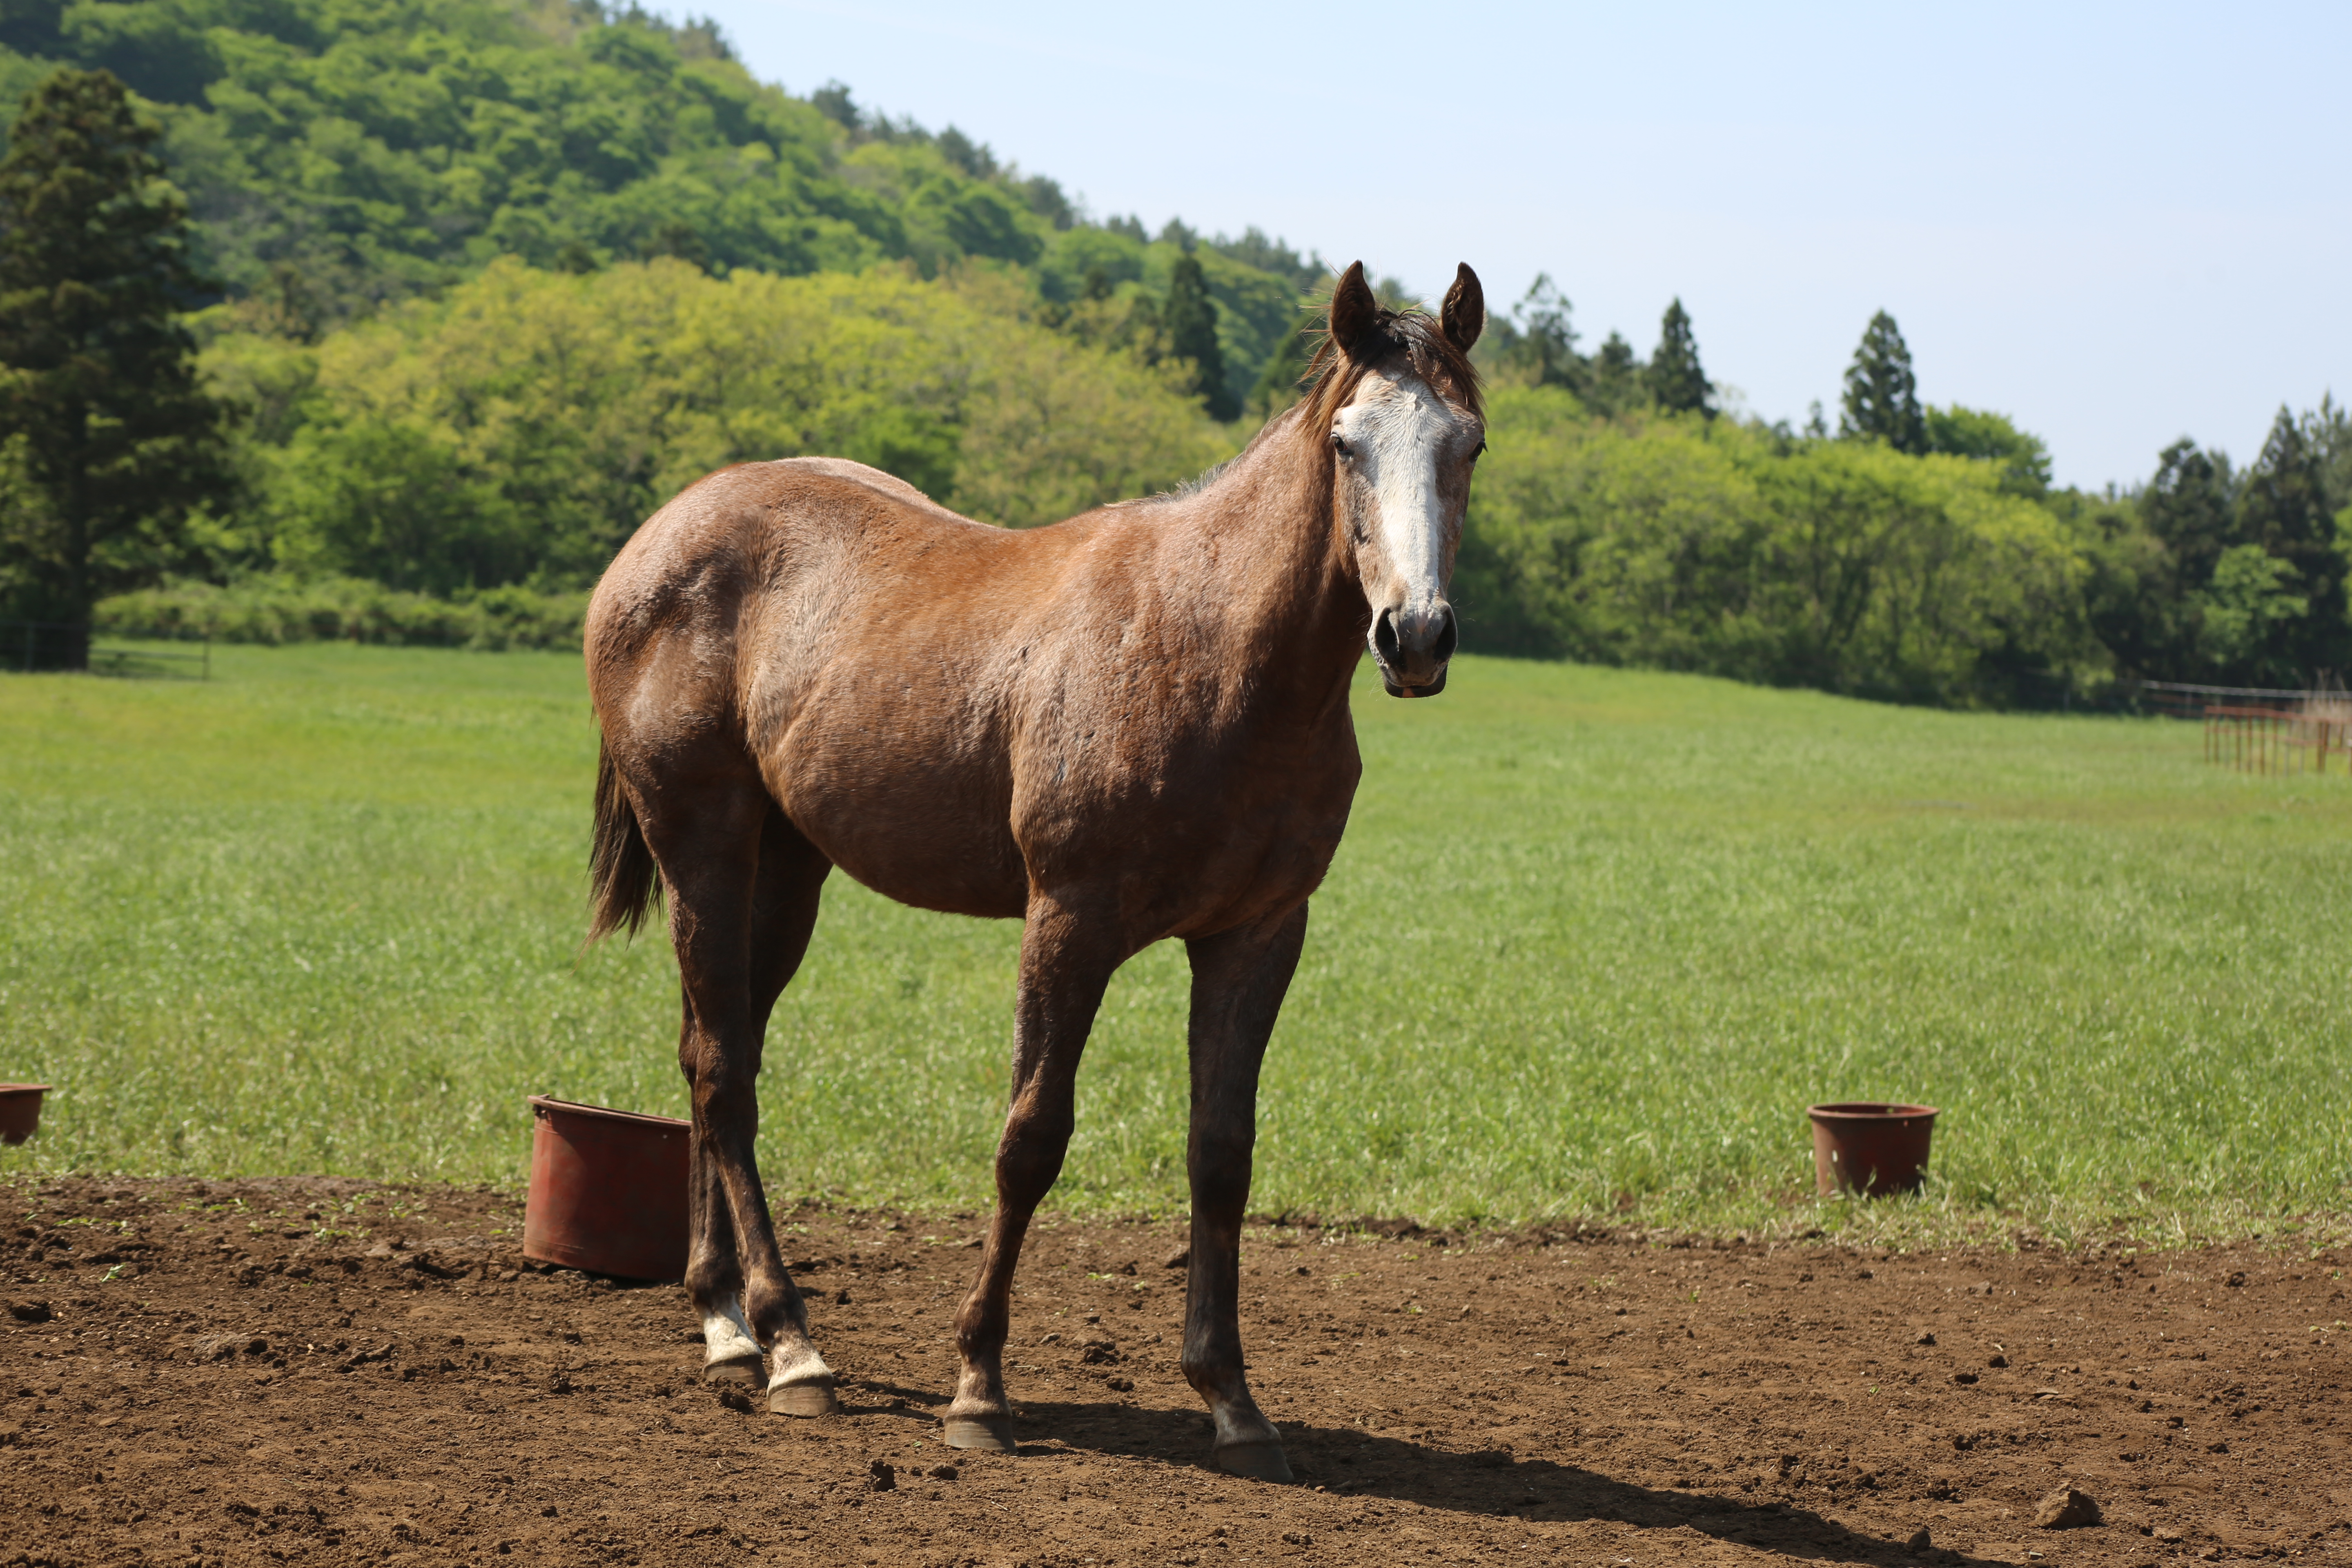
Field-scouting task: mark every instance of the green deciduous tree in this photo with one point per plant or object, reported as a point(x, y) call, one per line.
point(1676, 382)
point(110, 442)
point(1274, 257)
point(521, 426)
point(391, 500)
point(1960, 432)
point(2242, 611)
point(1882, 395)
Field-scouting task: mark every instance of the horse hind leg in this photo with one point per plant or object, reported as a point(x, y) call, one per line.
point(730, 1353)
point(783, 914)
point(743, 900)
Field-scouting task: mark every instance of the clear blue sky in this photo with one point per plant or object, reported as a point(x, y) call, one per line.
point(2118, 225)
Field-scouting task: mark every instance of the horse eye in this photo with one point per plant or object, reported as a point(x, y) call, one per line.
point(1338, 442)
point(1482, 447)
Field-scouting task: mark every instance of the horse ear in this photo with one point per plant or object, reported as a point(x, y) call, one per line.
point(1465, 316)
point(1355, 314)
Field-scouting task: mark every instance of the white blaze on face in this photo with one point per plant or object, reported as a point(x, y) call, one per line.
point(1395, 429)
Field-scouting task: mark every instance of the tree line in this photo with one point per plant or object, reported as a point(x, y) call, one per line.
point(1912, 550)
point(292, 452)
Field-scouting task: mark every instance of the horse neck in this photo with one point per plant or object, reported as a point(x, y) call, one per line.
point(1286, 612)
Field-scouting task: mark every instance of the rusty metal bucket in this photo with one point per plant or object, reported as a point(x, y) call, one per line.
point(20, 1111)
point(608, 1191)
point(1870, 1147)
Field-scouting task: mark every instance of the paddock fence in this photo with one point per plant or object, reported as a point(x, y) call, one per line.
point(2256, 730)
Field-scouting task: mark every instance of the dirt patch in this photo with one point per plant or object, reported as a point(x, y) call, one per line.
point(324, 1373)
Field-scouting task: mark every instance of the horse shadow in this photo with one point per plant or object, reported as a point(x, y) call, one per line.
point(1348, 1462)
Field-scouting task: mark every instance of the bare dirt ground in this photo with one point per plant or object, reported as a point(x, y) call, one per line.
point(316, 1372)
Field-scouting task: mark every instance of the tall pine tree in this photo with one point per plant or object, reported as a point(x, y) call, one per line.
point(109, 441)
point(1882, 395)
point(1190, 319)
point(1538, 341)
point(2283, 506)
point(1677, 383)
point(1615, 381)
point(2191, 505)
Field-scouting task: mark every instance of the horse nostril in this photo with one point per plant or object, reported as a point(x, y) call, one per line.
point(1442, 647)
point(1384, 638)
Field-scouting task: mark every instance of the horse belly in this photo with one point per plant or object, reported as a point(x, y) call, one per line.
point(957, 875)
point(925, 837)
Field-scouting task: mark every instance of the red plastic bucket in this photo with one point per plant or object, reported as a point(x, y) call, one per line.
point(1870, 1147)
point(20, 1111)
point(608, 1191)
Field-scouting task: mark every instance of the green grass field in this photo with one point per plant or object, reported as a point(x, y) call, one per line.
point(1594, 940)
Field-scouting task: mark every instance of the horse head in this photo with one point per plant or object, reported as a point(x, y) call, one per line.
point(1400, 400)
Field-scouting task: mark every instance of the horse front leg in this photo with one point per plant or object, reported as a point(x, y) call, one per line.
point(1239, 978)
point(1066, 961)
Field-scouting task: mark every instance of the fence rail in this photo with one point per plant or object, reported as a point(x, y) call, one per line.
point(2184, 699)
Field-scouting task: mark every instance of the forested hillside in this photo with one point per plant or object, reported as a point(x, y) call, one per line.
point(341, 153)
point(475, 285)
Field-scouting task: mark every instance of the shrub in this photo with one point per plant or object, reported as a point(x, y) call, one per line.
point(285, 609)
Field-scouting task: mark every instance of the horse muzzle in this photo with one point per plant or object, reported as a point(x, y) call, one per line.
point(1414, 648)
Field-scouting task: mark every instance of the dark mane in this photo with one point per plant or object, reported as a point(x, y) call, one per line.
point(1334, 373)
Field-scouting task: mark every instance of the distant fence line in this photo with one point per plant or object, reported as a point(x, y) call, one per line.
point(2189, 700)
point(2054, 691)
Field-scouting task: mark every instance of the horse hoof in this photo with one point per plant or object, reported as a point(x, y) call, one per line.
point(985, 1434)
point(744, 1370)
point(804, 1399)
point(1258, 1461)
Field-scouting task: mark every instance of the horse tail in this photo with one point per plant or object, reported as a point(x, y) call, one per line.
point(624, 879)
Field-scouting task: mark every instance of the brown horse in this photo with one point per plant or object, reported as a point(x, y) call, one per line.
point(1128, 726)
